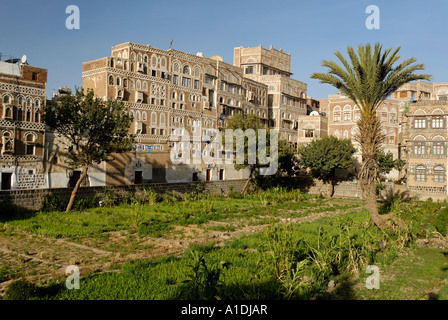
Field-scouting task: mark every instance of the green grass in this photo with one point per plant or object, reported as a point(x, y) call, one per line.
point(284, 261)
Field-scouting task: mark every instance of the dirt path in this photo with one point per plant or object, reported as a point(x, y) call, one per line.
point(40, 258)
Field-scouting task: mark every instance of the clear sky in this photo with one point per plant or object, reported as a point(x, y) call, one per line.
point(311, 30)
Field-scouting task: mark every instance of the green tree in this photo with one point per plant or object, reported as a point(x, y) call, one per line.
point(285, 154)
point(385, 161)
point(93, 130)
point(326, 155)
point(368, 78)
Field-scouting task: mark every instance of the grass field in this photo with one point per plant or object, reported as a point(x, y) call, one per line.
point(276, 244)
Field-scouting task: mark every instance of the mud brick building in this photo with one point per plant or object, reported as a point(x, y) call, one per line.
point(22, 99)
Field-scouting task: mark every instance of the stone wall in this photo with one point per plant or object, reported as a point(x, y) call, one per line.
point(32, 199)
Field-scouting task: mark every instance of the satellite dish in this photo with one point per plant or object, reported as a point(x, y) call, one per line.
point(314, 113)
point(24, 59)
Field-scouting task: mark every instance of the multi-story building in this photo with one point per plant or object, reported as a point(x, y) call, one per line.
point(424, 147)
point(171, 93)
point(312, 126)
point(343, 114)
point(287, 97)
point(22, 99)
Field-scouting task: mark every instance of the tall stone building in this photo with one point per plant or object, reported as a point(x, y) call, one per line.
point(22, 99)
point(287, 97)
point(173, 94)
point(343, 114)
point(424, 147)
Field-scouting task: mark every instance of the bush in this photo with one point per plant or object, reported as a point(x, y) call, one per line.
point(441, 222)
point(52, 202)
point(21, 290)
point(86, 203)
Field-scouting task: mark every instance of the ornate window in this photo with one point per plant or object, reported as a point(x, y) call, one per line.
point(30, 143)
point(420, 173)
point(420, 122)
point(438, 148)
point(439, 174)
point(347, 113)
point(7, 142)
point(419, 148)
point(337, 114)
point(153, 119)
point(437, 121)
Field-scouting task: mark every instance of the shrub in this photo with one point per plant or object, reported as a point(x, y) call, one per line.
point(21, 290)
point(204, 282)
point(52, 202)
point(86, 203)
point(441, 222)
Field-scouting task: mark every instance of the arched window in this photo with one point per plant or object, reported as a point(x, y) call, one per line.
point(6, 99)
point(420, 173)
point(20, 114)
point(145, 86)
point(111, 80)
point(153, 119)
point(439, 174)
point(8, 112)
point(347, 113)
point(337, 114)
point(138, 85)
point(30, 143)
point(8, 142)
point(345, 134)
point(137, 116)
point(162, 120)
point(356, 113)
point(186, 69)
point(144, 116)
point(28, 115)
point(37, 116)
point(20, 100)
point(337, 134)
point(118, 81)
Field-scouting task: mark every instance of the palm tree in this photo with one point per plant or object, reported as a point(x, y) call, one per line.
point(369, 78)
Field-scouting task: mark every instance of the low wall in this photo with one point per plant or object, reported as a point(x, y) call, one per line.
point(32, 199)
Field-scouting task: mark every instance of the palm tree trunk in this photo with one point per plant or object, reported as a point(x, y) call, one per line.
point(370, 139)
point(372, 206)
point(75, 189)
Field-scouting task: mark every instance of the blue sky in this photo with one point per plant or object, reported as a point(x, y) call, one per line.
point(310, 30)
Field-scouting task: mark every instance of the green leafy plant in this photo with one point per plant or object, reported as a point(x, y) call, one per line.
point(52, 202)
point(204, 281)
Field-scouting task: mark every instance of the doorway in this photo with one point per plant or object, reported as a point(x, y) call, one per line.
point(6, 180)
point(209, 174)
point(138, 177)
